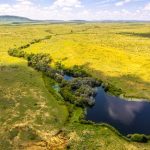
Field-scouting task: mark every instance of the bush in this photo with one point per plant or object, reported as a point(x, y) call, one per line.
point(67, 95)
point(76, 71)
point(16, 53)
point(81, 93)
point(39, 61)
point(112, 89)
point(50, 72)
point(86, 81)
point(58, 78)
point(138, 138)
point(59, 65)
point(24, 46)
point(86, 91)
point(35, 41)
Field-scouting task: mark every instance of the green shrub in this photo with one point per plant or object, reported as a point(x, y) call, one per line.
point(59, 65)
point(112, 89)
point(16, 53)
point(67, 95)
point(24, 46)
point(138, 138)
point(39, 61)
point(76, 71)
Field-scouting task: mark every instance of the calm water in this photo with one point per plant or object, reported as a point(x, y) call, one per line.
point(66, 77)
point(126, 116)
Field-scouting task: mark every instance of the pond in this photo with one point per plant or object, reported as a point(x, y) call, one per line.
point(67, 77)
point(128, 117)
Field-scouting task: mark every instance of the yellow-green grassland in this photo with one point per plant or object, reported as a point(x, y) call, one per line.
point(34, 117)
point(115, 53)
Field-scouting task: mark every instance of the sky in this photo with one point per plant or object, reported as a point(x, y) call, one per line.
point(77, 9)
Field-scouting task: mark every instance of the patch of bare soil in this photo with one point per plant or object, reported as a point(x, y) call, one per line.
point(58, 142)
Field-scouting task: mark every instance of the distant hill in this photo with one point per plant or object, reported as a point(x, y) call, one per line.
point(18, 20)
point(11, 19)
point(6, 19)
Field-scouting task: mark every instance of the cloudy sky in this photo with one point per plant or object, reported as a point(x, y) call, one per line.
point(78, 9)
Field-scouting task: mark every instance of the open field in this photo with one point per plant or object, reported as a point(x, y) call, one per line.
point(28, 111)
point(33, 118)
point(116, 53)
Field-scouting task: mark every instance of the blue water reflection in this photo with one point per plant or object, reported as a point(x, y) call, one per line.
point(67, 77)
point(127, 116)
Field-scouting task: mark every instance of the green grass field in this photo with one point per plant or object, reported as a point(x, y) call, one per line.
point(26, 105)
point(33, 117)
point(115, 53)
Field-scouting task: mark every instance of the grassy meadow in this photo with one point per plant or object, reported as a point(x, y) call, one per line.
point(116, 53)
point(28, 111)
point(34, 117)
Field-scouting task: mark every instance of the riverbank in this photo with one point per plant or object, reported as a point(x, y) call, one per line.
point(71, 90)
point(77, 115)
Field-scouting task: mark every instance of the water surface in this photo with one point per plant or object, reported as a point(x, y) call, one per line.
point(128, 117)
point(67, 77)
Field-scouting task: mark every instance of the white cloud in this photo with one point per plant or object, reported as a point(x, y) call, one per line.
point(122, 2)
point(67, 9)
point(4, 8)
point(60, 9)
point(67, 3)
point(147, 7)
point(70, 10)
point(118, 114)
point(25, 2)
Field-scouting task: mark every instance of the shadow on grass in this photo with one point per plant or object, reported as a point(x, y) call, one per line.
point(132, 86)
point(144, 35)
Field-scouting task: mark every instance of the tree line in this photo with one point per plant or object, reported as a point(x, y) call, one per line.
point(80, 91)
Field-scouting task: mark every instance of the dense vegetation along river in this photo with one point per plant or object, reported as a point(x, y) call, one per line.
point(128, 117)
